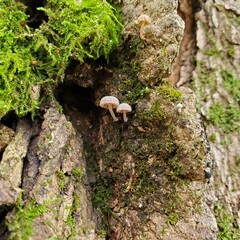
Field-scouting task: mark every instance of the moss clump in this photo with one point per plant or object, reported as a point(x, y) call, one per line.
point(227, 118)
point(232, 84)
point(139, 91)
point(154, 114)
point(35, 59)
point(231, 51)
point(226, 224)
point(213, 49)
point(102, 194)
point(212, 138)
point(71, 222)
point(61, 179)
point(89, 29)
point(21, 226)
point(77, 172)
point(168, 92)
point(17, 76)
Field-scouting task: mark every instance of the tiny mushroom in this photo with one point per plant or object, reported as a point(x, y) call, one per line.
point(124, 108)
point(179, 107)
point(110, 102)
point(142, 21)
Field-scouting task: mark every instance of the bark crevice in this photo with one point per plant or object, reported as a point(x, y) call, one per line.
point(184, 64)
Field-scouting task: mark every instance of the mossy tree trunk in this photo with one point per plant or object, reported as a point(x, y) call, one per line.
point(171, 171)
point(213, 72)
point(217, 82)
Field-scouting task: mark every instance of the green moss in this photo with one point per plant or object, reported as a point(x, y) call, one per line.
point(212, 138)
point(213, 51)
point(21, 226)
point(231, 51)
point(17, 77)
point(227, 118)
point(232, 84)
point(226, 224)
point(89, 29)
point(102, 194)
point(61, 179)
point(73, 31)
point(129, 85)
point(154, 114)
point(77, 172)
point(71, 222)
point(159, 171)
point(168, 92)
point(138, 91)
point(102, 233)
point(172, 218)
point(207, 78)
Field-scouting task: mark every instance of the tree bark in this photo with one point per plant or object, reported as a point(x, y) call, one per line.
point(163, 174)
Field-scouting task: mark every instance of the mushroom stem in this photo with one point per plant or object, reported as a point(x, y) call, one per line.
point(125, 117)
point(111, 112)
point(141, 31)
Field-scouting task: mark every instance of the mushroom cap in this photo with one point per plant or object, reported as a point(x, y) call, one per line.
point(143, 18)
point(105, 101)
point(124, 107)
point(179, 105)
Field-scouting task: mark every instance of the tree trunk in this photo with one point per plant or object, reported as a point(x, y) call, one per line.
point(170, 172)
point(216, 79)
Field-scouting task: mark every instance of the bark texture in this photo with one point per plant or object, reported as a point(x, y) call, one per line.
point(51, 171)
point(218, 42)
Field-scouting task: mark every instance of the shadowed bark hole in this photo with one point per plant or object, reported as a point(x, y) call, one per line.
point(10, 120)
point(78, 104)
point(36, 17)
point(4, 210)
point(78, 98)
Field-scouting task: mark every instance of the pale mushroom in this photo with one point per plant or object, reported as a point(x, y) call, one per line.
point(124, 108)
point(179, 107)
point(142, 21)
point(110, 102)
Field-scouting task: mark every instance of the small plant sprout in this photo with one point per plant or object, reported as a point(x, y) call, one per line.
point(124, 108)
point(110, 102)
point(142, 21)
point(179, 107)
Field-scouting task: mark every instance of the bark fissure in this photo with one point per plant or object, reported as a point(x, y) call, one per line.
point(184, 64)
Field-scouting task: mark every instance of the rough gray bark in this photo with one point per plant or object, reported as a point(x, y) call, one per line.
point(218, 30)
point(54, 176)
point(217, 52)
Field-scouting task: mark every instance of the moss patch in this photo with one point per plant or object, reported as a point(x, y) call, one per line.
point(227, 118)
point(168, 92)
point(232, 84)
point(147, 164)
point(21, 226)
point(155, 113)
point(226, 224)
point(35, 59)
